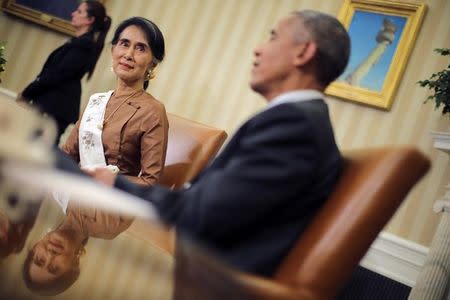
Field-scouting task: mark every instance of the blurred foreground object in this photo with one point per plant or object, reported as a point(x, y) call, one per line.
point(27, 138)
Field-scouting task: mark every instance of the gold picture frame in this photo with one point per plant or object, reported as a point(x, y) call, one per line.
point(382, 34)
point(54, 14)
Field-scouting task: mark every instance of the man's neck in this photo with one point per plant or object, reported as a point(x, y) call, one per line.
point(306, 83)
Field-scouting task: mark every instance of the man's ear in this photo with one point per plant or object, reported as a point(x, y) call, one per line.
point(305, 54)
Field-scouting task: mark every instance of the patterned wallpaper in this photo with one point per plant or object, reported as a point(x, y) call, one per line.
point(206, 72)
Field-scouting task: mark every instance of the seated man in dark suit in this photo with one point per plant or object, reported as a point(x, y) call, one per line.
point(258, 195)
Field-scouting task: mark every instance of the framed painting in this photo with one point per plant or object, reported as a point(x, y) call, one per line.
point(54, 14)
point(382, 34)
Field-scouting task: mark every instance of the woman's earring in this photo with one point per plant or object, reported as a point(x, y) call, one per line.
point(81, 251)
point(150, 75)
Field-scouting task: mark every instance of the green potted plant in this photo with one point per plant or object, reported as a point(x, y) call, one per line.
point(440, 84)
point(2, 59)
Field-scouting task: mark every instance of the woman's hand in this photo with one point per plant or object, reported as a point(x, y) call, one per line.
point(103, 175)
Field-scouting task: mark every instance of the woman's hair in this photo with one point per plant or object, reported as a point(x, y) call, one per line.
point(154, 37)
point(99, 28)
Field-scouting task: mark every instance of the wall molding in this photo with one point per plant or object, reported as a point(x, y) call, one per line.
point(396, 258)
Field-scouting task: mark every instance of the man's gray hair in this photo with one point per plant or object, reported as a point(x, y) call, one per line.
point(333, 44)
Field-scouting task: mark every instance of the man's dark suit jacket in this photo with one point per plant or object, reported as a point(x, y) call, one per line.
point(258, 195)
point(57, 88)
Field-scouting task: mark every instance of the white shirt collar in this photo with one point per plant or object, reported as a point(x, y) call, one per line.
point(295, 96)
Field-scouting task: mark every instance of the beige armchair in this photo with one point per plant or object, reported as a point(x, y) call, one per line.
point(191, 146)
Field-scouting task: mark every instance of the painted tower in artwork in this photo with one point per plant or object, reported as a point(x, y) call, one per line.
point(384, 38)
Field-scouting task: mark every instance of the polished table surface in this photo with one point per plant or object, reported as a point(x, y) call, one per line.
point(129, 266)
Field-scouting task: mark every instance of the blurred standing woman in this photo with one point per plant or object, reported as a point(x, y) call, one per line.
point(126, 129)
point(57, 88)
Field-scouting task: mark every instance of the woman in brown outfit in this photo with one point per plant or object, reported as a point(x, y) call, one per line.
point(126, 129)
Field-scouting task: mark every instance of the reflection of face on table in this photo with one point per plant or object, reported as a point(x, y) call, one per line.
point(130, 263)
point(52, 265)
